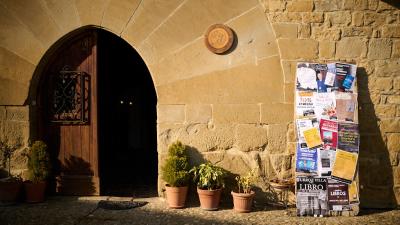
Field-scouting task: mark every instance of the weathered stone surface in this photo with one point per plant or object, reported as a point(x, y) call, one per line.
point(314, 17)
point(281, 163)
point(327, 6)
point(13, 92)
point(375, 19)
point(393, 99)
point(327, 49)
point(396, 49)
point(277, 5)
point(276, 113)
point(229, 86)
point(304, 31)
point(294, 17)
point(236, 162)
point(305, 49)
point(147, 17)
point(338, 18)
point(291, 133)
point(357, 32)
point(355, 4)
point(3, 113)
point(198, 113)
point(357, 19)
point(383, 6)
point(394, 158)
point(251, 137)
point(117, 14)
point(380, 48)
point(389, 31)
point(300, 6)
point(15, 68)
point(170, 113)
point(90, 13)
point(289, 93)
point(37, 18)
point(385, 111)
point(390, 125)
point(285, 30)
point(289, 71)
point(396, 84)
point(350, 48)
point(386, 68)
point(64, 14)
point(322, 33)
point(17, 113)
point(183, 25)
point(17, 133)
point(380, 83)
point(267, 170)
point(373, 4)
point(200, 137)
point(22, 42)
point(236, 113)
point(277, 138)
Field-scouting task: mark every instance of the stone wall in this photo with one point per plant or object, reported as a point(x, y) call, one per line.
point(235, 110)
point(14, 132)
point(365, 32)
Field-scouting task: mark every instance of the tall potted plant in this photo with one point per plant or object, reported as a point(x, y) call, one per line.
point(175, 173)
point(210, 181)
point(243, 199)
point(39, 170)
point(10, 186)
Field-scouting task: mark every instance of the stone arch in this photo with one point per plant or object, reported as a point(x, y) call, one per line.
point(168, 35)
point(211, 102)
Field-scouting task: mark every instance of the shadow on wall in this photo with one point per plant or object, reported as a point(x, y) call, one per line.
point(394, 3)
point(375, 170)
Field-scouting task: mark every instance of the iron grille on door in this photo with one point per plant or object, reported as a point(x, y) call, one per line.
point(70, 97)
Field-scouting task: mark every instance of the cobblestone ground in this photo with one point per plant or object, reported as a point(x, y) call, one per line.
point(74, 211)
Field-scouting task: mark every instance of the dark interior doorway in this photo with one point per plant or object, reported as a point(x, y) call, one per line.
point(127, 120)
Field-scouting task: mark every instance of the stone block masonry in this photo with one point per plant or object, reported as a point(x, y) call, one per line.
point(234, 109)
point(365, 32)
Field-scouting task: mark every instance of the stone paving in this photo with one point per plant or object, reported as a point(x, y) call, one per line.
point(84, 210)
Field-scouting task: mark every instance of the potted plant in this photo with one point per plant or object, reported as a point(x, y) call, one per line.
point(176, 173)
point(10, 185)
point(243, 199)
point(38, 172)
point(210, 181)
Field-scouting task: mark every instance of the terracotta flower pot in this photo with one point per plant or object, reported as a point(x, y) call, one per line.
point(35, 191)
point(242, 202)
point(176, 196)
point(209, 200)
point(10, 191)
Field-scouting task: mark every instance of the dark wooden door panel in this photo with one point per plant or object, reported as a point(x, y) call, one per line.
point(72, 131)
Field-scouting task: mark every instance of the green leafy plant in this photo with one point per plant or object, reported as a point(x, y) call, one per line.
point(176, 168)
point(38, 162)
point(7, 151)
point(208, 176)
point(246, 182)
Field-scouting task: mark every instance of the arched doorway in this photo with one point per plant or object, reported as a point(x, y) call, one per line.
point(97, 107)
point(127, 120)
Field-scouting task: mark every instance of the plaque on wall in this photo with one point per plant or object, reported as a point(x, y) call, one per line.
point(219, 38)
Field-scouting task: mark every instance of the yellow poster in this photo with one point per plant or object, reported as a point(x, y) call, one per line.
point(353, 192)
point(312, 137)
point(345, 166)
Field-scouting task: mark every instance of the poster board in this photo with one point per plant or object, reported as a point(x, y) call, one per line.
point(328, 139)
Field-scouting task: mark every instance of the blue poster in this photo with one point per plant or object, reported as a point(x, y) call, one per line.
point(306, 160)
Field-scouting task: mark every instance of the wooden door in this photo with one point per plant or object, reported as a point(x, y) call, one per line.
point(68, 105)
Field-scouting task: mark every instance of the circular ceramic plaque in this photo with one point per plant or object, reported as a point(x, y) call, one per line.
point(219, 38)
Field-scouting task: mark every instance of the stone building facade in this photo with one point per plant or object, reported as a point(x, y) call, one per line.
point(235, 110)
